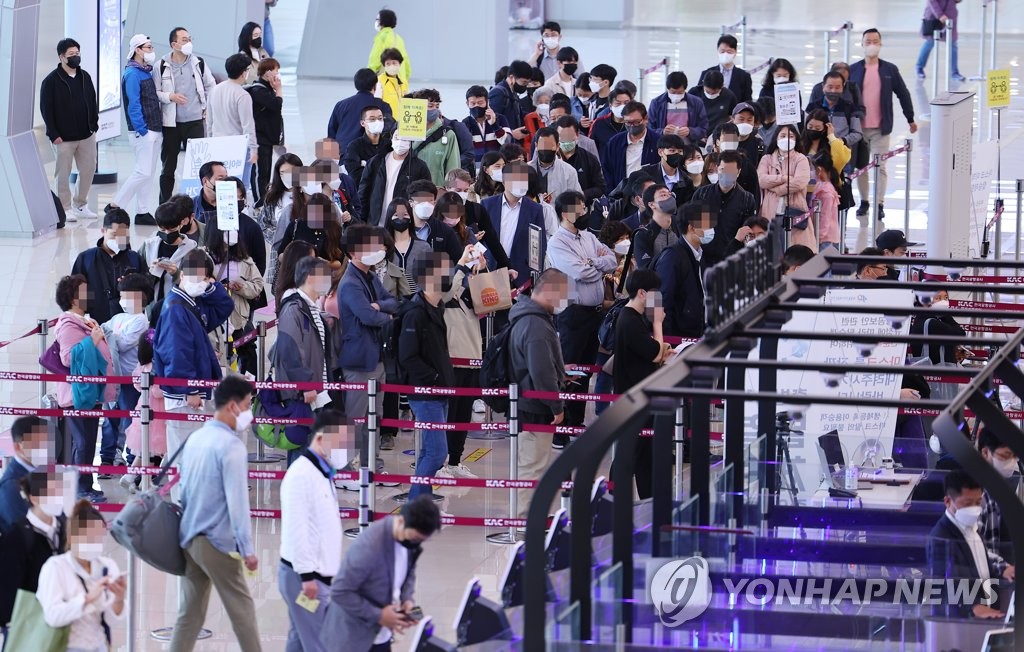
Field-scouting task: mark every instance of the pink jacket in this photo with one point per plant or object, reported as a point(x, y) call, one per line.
point(774, 180)
point(157, 429)
point(69, 331)
point(828, 223)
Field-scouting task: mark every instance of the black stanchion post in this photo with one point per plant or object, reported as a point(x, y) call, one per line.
point(44, 330)
point(661, 473)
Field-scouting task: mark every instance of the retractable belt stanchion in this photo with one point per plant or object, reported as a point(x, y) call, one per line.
point(936, 40)
point(909, 144)
point(511, 536)
point(1020, 208)
point(950, 26)
point(876, 161)
point(367, 484)
point(488, 413)
point(679, 440)
point(981, 48)
point(134, 576)
point(44, 330)
point(261, 456)
point(828, 50)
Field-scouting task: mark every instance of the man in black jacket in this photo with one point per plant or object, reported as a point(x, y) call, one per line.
point(662, 231)
point(956, 552)
point(503, 97)
point(682, 274)
point(423, 354)
point(67, 100)
point(374, 139)
point(375, 192)
point(588, 168)
point(107, 263)
point(729, 204)
point(736, 79)
point(267, 100)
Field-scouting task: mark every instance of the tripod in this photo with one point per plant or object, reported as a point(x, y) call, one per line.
point(783, 458)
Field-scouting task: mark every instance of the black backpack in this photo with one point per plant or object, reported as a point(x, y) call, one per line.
point(496, 367)
point(606, 334)
point(396, 372)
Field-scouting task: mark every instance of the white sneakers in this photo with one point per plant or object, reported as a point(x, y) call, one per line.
point(83, 212)
point(128, 482)
point(479, 407)
point(458, 471)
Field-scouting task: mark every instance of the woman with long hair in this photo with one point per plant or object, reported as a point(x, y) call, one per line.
point(488, 181)
point(250, 43)
point(290, 257)
point(783, 174)
point(316, 223)
point(780, 72)
point(408, 248)
point(276, 202)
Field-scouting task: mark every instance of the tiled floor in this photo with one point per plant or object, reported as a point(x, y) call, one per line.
point(685, 32)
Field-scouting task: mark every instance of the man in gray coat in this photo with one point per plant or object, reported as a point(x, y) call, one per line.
point(371, 595)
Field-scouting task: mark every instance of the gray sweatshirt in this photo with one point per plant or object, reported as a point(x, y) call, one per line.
point(229, 112)
point(535, 356)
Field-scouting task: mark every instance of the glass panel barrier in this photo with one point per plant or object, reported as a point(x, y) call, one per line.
point(608, 604)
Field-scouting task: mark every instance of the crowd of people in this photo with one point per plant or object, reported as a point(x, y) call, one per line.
point(604, 211)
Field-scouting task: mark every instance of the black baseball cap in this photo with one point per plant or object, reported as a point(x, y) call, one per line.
point(893, 239)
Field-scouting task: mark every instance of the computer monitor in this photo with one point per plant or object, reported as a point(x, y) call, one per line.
point(512, 580)
point(602, 507)
point(831, 450)
point(479, 619)
point(998, 640)
point(558, 544)
point(423, 639)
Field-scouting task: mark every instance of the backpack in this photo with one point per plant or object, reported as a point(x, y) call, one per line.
point(202, 66)
point(433, 138)
point(396, 372)
point(606, 333)
point(496, 368)
point(268, 403)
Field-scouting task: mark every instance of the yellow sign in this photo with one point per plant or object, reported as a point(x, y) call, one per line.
point(998, 84)
point(412, 119)
point(476, 455)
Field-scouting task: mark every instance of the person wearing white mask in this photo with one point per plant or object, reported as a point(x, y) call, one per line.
point(602, 80)
point(30, 437)
point(110, 260)
point(145, 127)
point(428, 223)
point(679, 113)
point(361, 151)
point(215, 526)
point(783, 174)
point(387, 176)
point(267, 101)
point(729, 140)
point(512, 213)
point(311, 533)
point(610, 121)
point(40, 534)
point(781, 71)
point(183, 82)
point(545, 55)
point(365, 307)
point(181, 348)
point(991, 528)
point(736, 79)
point(956, 551)
point(82, 587)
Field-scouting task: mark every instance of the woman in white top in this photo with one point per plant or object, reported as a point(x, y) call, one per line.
point(81, 588)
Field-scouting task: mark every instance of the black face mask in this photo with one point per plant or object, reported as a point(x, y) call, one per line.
point(477, 112)
point(74, 61)
point(582, 222)
point(412, 545)
point(401, 224)
point(257, 42)
point(170, 237)
point(529, 91)
point(518, 88)
point(546, 156)
point(569, 68)
point(674, 160)
point(446, 284)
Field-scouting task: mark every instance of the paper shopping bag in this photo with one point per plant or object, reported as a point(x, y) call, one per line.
point(490, 291)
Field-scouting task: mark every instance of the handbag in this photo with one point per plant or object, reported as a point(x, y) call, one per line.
point(50, 360)
point(490, 291)
point(29, 629)
point(149, 524)
point(931, 25)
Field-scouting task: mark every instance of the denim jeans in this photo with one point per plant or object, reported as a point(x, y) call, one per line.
point(926, 50)
point(112, 437)
point(434, 443)
point(83, 446)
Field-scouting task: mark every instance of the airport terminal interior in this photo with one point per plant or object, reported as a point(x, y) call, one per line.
point(805, 458)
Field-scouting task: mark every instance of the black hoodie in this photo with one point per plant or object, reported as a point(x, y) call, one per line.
point(68, 105)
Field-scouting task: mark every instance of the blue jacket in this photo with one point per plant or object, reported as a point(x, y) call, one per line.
point(892, 82)
point(344, 123)
point(12, 506)
point(87, 360)
point(613, 155)
point(141, 105)
point(504, 102)
point(529, 213)
point(181, 348)
point(697, 120)
point(362, 337)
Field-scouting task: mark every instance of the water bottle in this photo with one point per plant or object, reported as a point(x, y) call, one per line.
point(851, 478)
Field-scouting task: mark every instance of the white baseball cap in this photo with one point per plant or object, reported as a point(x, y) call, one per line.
point(135, 42)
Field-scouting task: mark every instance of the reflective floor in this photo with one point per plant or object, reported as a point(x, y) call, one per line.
point(683, 31)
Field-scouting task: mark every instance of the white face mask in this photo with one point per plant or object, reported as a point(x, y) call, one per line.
point(942, 305)
point(127, 305)
point(231, 237)
point(550, 42)
point(622, 247)
point(745, 128)
point(149, 57)
point(595, 86)
point(187, 49)
point(243, 420)
point(725, 58)
point(968, 516)
point(712, 177)
point(52, 506)
point(519, 189)
point(872, 50)
point(372, 259)
point(335, 183)
point(423, 210)
point(392, 69)
point(709, 235)
point(780, 79)
point(543, 110)
point(729, 145)
point(935, 444)
point(695, 167)
point(376, 25)
point(193, 287)
point(786, 144)
point(712, 96)
point(339, 458)
point(115, 244)
point(38, 456)
point(674, 98)
point(375, 127)
point(1006, 468)
point(312, 187)
point(617, 110)
point(496, 175)
point(401, 146)
point(91, 551)
point(464, 196)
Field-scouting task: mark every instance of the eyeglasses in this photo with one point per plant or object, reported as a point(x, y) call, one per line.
point(631, 123)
